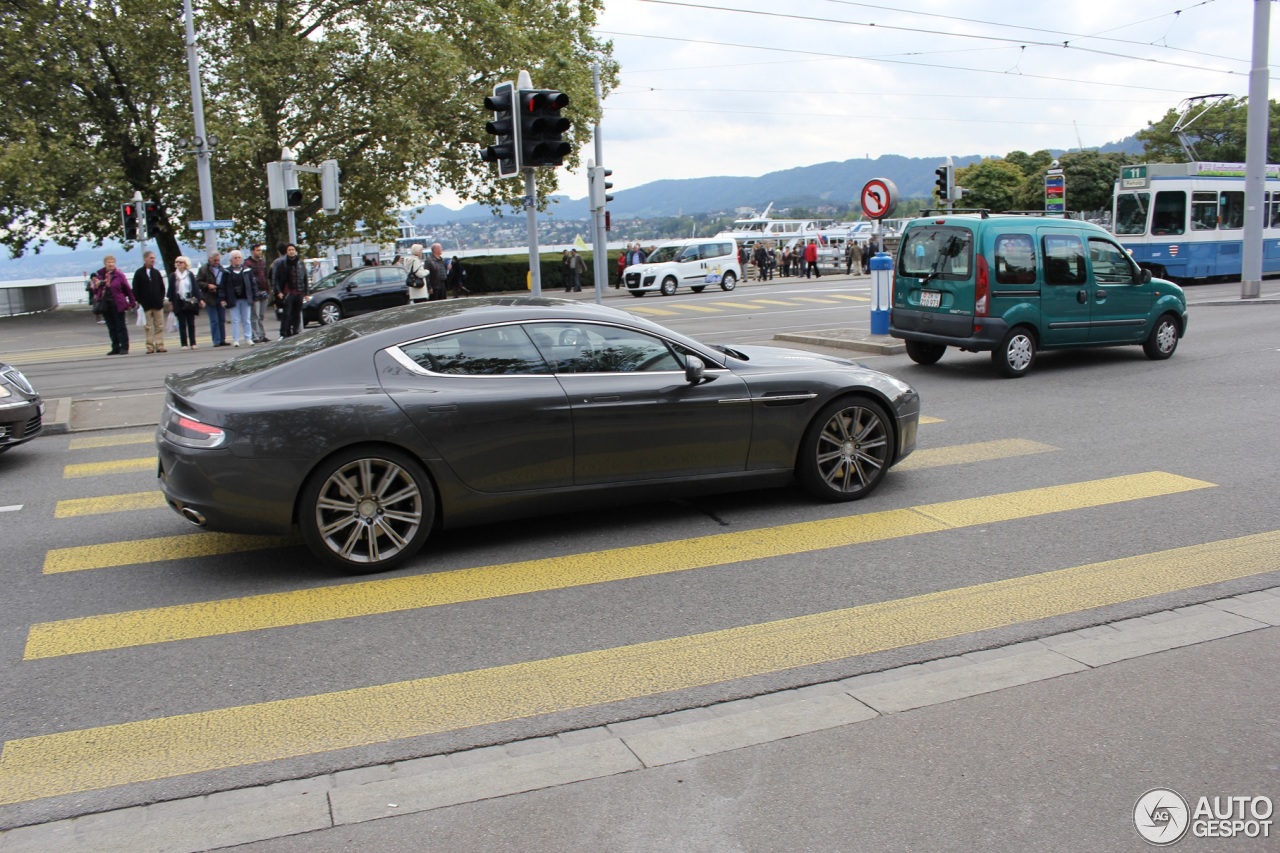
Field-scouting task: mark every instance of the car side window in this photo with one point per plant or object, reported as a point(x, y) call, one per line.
point(1064, 259)
point(591, 348)
point(690, 253)
point(1110, 263)
point(1015, 259)
point(391, 275)
point(364, 278)
point(499, 350)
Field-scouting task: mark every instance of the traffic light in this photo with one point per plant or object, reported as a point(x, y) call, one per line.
point(129, 219)
point(541, 126)
point(293, 197)
point(151, 211)
point(944, 182)
point(330, 175)
point(506, 151)
point(599, 187)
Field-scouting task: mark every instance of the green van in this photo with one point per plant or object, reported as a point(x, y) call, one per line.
point(1015, 285)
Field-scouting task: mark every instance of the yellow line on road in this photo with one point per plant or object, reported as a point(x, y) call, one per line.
point(705, 309)
point(113, 440)
point(367, 598)
point(108, 503)
point(981, 451)
point(851, 297)
point(145, 750)
point(657, 312)
point(746, 305)
point(925, 419)
point(84, 557)
point(774, 302)
point(57, 354)
point(116, 466)
point(816, 299)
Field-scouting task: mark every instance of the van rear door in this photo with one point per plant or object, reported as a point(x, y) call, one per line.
point(935, 277)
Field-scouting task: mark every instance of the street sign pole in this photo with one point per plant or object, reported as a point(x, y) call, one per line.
point(202, 145)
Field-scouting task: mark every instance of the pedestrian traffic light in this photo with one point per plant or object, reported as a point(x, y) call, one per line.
point(293, 197)
point(506, 151)
point(599, 186)
point(129, 219)
point(944, 182)
point(151, 211)
point(541, 128)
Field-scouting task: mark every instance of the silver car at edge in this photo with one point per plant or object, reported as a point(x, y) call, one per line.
point(373, 432)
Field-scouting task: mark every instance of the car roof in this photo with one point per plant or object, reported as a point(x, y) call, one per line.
point(1003, 220)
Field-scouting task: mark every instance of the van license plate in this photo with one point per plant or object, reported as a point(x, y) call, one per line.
point(930, 298)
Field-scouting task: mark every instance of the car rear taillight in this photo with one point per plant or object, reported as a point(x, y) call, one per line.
point(982, 289)
point(188, 432)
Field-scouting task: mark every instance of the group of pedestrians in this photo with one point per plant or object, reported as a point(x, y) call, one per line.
point(428, 277)
point(242, 291)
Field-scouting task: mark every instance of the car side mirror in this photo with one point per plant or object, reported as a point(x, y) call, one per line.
point(1145, 276)
point(694, 369)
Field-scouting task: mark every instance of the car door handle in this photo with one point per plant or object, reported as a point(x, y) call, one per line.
point(612, 399)
point(1101, 296)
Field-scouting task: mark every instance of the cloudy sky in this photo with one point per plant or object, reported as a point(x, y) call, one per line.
point(745, 87)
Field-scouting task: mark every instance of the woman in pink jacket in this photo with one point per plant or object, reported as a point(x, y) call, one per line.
point(112, 288)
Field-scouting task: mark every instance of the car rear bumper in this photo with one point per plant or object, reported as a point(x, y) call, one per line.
point(217, 491)
point(963, 331)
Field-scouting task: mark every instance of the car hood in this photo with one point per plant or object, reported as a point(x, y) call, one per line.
point(780, 357)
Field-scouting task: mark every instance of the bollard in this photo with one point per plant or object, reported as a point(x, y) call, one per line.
point(881, 288)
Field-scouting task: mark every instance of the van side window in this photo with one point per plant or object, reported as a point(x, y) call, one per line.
point(1015, 259)
point(1064, 259)
point(1111, 264)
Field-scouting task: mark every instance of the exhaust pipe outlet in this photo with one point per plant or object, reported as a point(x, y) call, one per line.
point(192, 516)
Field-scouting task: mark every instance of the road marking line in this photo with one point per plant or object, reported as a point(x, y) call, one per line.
point(51, 355)
point(13, 508)
point(108, 503)
point(850, 297)
point(925, 419)
point(706, 309)
point(369, 598)
point(657, 312)
point(84, 557)
point(746, 305)
point(816, 299)
point(980, 451)
point(116, 466)
point(774, 302)
point(145, 750)
point(113, 440)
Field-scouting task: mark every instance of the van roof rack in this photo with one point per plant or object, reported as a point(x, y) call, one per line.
point(982, 211)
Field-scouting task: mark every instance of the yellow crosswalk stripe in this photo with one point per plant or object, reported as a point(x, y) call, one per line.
point(981, 451)
point(57, 354)
point(367, 598)
point(657, 312)
point(851, 297)
point(108, 503)
point(145, 750)
point(774, 302)
point(925, 419)
point(121, 440)
point(106, 555)
point(816, 299)
point(115, 466)
point(689, 306)
point(746, 305)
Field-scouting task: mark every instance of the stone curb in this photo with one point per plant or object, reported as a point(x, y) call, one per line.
point(294, 807)
point(58, 416)
point(838, 339)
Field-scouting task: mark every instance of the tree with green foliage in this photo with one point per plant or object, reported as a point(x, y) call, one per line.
point(990, 183)
point(1219, 135)
point(97, 95)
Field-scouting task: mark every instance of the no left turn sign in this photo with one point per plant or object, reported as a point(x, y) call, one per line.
point(879, 198)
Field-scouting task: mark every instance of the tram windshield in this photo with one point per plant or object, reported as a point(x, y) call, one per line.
point(1131, 213)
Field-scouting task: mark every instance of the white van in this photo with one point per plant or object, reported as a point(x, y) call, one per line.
point(694, 264)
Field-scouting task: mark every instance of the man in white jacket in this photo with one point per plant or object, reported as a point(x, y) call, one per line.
point(416, 273)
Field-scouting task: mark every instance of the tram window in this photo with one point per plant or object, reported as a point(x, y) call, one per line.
point(1131, 213)
point(1232, 204)
point(1170, 216)
point(1204, 211)
point(1273, 210)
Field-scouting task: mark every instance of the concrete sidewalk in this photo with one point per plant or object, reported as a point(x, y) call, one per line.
point(1042, 745)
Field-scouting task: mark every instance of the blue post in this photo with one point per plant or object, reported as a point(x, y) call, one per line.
point(881, 292)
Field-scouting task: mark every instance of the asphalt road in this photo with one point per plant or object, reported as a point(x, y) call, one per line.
point(1193, 437)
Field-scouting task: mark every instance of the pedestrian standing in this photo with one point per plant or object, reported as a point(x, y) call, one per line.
point(417, 274)
point(436, 273)
point(622, 267)
point(149, 290)
point(564, 270)
point(290, 285)
point(237, 292)
point(210, 280)
point(855, 255)
point(184, 300)
point(577, 267)
point(811, 260)
point(257, 263)
point(117, 301)
point(458, 278)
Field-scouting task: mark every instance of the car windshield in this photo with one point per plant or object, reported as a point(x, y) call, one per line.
point(662, 254)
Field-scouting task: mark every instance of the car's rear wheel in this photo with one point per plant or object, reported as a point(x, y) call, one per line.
point(668, 286)
point(729, 281)
point(925, 353)
point(330, 313)
point(367, 509)
point(846, 450)
point(1163, 339)
point(1016, 353)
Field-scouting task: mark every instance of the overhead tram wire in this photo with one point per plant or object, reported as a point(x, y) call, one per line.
point(877, 116)
point(1179, 92)
point(640, 89)
point(922, 31)
point(1069, 36)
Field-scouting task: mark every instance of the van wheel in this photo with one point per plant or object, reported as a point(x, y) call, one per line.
point(1163, 339)
point(729, 281)
point(923, 353)
point(698, 289)
point(1016, 353)
point(637, 293)
point(668, 286)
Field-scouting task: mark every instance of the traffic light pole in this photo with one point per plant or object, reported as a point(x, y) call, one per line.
point(531, 211)
point(599, 248)
point(202, 147)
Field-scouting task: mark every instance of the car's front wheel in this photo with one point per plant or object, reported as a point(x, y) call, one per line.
point(1016, 353)
point(367, 509)
point(729, 281)
point(330, 313)
point(668, 286)
point(846, 450)
point(1163, 339)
